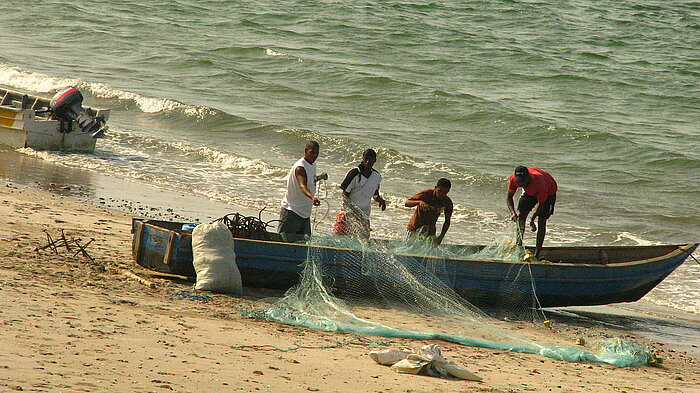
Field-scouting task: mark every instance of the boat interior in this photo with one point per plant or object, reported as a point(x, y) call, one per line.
point(602, 255)
point(16, 101)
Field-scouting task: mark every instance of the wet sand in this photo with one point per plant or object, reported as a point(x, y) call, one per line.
point(76, 324)
point(677, 331)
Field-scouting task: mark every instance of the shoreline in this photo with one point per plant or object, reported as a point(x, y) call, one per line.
point(105, 191)
point(81, 324)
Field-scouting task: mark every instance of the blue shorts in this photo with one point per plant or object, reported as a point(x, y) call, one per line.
point(291, 222)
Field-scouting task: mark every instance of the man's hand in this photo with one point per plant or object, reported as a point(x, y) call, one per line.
point(382, 203)
point(424, 206)
point(514, 216)
point(316, 201)
point(322, 176)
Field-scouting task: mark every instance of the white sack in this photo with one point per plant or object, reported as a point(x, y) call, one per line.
point(215, 259)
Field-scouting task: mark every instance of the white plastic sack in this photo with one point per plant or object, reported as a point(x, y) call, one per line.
point(215, 259)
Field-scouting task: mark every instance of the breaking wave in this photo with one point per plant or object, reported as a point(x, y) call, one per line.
point(14, 77)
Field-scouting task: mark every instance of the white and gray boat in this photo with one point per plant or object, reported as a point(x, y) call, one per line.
point(58, 123)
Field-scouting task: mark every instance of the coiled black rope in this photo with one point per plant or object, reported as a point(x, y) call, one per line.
point(247, 227)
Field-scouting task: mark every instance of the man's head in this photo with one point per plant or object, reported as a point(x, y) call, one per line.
point(442, 188)
point(311, 151)
point(369, 157)
point(522, 176)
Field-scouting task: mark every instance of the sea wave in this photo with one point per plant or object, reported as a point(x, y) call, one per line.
point(198, 169)
point(15, 77)
point(393, 163)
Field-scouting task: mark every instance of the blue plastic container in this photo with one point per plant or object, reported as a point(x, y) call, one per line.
point(188, 227)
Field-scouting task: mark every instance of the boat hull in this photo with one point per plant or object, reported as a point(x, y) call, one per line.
point(162, 246)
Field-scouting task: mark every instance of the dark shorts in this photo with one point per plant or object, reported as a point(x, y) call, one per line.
point(291, 222)
point(546, 209)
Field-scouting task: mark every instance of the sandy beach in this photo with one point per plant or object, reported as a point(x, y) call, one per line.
point(74, 322)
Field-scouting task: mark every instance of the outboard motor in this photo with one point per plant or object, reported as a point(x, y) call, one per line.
point(66, 105)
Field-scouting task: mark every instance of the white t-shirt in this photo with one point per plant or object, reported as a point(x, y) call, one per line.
point(362, 189)
point(294, 199)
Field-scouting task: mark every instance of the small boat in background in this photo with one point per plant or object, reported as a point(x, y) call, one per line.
point(60, 123)
point(566, 276)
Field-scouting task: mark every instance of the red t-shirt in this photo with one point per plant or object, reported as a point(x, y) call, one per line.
point(428, 216)
point(542, 184)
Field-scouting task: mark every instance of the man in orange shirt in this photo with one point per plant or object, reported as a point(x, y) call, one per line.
point(539, 193)
point(429, 203)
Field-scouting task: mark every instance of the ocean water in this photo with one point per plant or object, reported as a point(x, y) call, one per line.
point(216, 99)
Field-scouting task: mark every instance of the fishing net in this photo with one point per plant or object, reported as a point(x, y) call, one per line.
point(404, 289)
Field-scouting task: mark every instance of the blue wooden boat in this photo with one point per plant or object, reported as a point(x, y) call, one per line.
point(570, 276)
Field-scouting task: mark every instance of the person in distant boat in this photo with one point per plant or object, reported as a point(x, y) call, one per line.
point(539, 193)
point(360, 186)
point(429, 203)
point(298, 201)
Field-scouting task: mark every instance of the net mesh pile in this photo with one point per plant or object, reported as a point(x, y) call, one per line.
point(404, 289)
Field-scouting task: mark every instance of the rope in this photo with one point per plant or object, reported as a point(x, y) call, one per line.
point(695, 259)
point(321, 188)
point(269, 347)
point(690, 255)
point(247, 227)
point(534, 292)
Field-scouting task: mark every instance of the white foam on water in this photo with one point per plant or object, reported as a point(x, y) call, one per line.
point(272, 52)
point(228, 161)
point(15, 77)
point(216, 175)
point(626, 235)
point(40, 83)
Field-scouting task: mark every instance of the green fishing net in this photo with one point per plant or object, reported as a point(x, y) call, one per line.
point(404, 289)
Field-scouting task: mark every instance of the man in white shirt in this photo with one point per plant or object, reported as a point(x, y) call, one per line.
point(360, 186)
point(298, 201)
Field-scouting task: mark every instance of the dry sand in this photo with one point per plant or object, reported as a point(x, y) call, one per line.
point(74, 324)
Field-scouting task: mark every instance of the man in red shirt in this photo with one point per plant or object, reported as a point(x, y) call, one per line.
point(429, 203)
point(540, 193)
